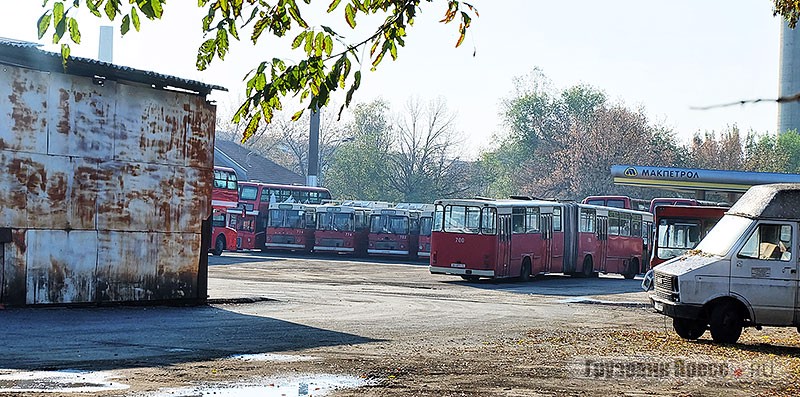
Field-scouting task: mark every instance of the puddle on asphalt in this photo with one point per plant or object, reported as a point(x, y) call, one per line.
point(592, 301)
point(66, 381)
point(299, 386)
point(286, 358)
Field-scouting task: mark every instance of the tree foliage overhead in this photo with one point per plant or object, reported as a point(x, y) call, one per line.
point(330, 60)
point(788, 9)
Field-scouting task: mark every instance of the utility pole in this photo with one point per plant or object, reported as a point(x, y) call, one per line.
point(313, 150)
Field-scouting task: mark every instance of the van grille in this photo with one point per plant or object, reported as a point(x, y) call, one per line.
point(665, 282)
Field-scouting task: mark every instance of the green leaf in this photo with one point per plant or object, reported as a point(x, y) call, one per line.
point(223, 5)
point(74, 32)
point(296, 116)
point(328, 45)
point(319, 44)
point(135, 18)
point(58, 13)
point(350, 15)
point(252, 126)
point(334, 4)
point(111, 10)
point(43, 24)
point(93, 8)
point(222, 43)
point(298, 40)
point(64, 55)
point(126, 25)
point(295, 13)
point(157, 10)
point(232, 28)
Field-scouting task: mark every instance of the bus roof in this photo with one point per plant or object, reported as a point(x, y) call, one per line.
point(262, 185)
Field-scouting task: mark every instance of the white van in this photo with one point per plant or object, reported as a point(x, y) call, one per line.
point(744, 273)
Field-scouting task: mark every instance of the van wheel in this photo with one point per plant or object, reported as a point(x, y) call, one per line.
point(688, 329)
point(471, 279)
point(633, 268)
point(588, 267)
point(525, 273)
point(726, 323)
point(219, 246)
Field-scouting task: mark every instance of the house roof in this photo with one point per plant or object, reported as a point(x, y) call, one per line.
point(250, 166)
point(27, 55)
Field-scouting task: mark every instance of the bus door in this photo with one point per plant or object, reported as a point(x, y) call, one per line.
point(602, 242)
point(547, 238)
point(503, 246)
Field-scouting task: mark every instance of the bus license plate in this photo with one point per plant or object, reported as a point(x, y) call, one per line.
point(458, 265)
point(658, 306)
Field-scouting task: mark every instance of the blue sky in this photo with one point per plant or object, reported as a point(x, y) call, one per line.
point(661, 56)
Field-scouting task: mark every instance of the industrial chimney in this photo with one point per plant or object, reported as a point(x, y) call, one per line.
point(789, 112)
point(106, 50)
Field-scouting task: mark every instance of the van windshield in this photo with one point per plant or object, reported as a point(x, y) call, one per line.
point(724, 235)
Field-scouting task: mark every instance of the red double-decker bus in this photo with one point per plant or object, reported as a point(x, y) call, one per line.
point(224, 196)
point(291, 227)
point(393, 231)
point(517, 238)
point(342, 229)
point(680, 228)
point(257, 196)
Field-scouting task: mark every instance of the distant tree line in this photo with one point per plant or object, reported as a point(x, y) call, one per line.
point(555, 144)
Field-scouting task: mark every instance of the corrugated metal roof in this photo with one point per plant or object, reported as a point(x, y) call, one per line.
point(26, 54)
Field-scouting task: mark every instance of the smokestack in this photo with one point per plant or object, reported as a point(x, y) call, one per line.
point(789, 112)
point(106, 51)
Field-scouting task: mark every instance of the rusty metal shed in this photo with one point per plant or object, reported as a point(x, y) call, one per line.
point(105, 181)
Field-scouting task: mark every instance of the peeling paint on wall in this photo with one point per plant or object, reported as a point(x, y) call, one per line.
point(105, 188)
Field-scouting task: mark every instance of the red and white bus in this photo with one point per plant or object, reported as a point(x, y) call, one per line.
point(680, 229)
point(618, 202)
point(256, 196)
point(425, 226)
point(342, 229)
point(224, 196)
point(290, 226)
point(517, 238)
point(244, 221)
point(393, 231)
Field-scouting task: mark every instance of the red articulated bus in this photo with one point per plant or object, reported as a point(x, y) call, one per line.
point(342, 229)
point(291, 227)
point(618, 202)
point(393, 231)
point(518, 238)
point(224, 196)
point(256, 196)
point(680, 229)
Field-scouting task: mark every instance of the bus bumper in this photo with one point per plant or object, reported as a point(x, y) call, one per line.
point(284, 246)
point(387, 252)
point(461, 272)
point(333, 249)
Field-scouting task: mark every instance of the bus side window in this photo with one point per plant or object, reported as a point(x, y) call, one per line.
point(518, 220)
point(556, 219)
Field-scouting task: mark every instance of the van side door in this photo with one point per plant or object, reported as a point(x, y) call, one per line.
point(764, 272)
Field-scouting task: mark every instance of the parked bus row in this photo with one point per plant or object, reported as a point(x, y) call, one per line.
point(522, 238)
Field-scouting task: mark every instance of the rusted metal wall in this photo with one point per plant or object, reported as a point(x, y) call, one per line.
point(105, 188)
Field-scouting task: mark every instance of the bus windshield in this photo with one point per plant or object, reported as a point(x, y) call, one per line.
point(425, 226)
point(676, 237)
point(468, 219)
point(724, 235)
point(335, 221)
point(388, 224)
point(286, 218)
point(248, 193)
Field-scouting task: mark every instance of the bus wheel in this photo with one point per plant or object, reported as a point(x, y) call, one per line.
point(525, 272)
point(725, 323)
point(588, 267)
point(219, 246)
point(471, 279)
point(688, 329)
point(633, 268)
